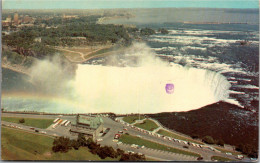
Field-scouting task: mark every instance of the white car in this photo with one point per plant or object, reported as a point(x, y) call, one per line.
point(99, 140)
point(133, 145)
point(130, 152)
point(43, 132)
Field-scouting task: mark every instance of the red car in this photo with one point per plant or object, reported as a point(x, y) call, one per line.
point(117, 136)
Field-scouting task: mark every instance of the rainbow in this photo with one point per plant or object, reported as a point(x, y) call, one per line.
point(40, 102)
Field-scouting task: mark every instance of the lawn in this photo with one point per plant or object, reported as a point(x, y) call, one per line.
point(129, 139)
point(131, 119)
point(101, 51)
point(147, 125)
point(219, 158)
point(175, 136)
point(20, 145)
point(34, 122)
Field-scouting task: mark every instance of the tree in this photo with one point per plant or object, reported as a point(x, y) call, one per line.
point(75, 144)
point(132, 157)
point(82, 140)
point(21, 120)
point(61, 144)
point(94, 147)
point(220, 142)
point(208, 140)
point(147, 31)
point(119, 152)
point(89, 141)
point(106, 151)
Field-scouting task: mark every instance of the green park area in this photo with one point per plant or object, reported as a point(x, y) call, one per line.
point(219, 158)
point(34, 122)
point(20, 145)
point(147, 125)
point(131, 119)
point(129, 139)
point(175, 136)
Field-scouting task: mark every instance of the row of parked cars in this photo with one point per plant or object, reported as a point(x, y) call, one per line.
point(32, 128)
point(175, 140)
point(10, 125)
point(168, 138)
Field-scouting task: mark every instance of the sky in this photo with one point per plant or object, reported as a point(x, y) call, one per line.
point(103, 4)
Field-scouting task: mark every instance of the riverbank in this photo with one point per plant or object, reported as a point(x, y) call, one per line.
point(16, 68)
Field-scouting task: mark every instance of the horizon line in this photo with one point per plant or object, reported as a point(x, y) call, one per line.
point(126, 8)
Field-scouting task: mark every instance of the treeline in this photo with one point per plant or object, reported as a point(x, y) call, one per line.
point(40, 39)
point(15, 58)
point(63, 144)
point(60, 20)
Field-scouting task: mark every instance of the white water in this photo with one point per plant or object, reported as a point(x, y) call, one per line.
point(142, 89)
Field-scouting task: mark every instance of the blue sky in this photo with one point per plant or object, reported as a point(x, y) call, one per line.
point(95, 4)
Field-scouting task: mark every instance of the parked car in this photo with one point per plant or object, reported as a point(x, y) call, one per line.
point(185, 146)
point(200, 158)
point(117, 136)
point(43, 132)
point(99, 140)
point(240, 157)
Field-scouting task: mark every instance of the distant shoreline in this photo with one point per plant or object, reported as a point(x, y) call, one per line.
point(16, 69)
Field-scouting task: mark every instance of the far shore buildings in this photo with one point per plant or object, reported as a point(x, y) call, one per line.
point(16, 18)
point(87, 125)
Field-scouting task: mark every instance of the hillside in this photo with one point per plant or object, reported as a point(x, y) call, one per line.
point(219, 120)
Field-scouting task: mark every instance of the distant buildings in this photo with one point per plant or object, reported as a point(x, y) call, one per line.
point(27, 19)
point(16, 18)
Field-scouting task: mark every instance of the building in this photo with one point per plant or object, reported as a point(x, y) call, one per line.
point(16, 18)
point(87, 125)
point(27, 19)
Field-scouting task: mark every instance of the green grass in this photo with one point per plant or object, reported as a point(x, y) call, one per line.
point(219, 158)
point(147, 125)
point(175, 136)
point(20, 145)
point(129, 139)
point(131, 119)
point(34, 122)
point(101, 51)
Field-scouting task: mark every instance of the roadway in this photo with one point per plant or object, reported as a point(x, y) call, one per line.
point(114, 128)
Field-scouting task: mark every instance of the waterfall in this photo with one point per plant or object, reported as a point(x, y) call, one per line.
point(129, 89)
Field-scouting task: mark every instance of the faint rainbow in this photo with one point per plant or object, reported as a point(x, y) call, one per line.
point(43, 98)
